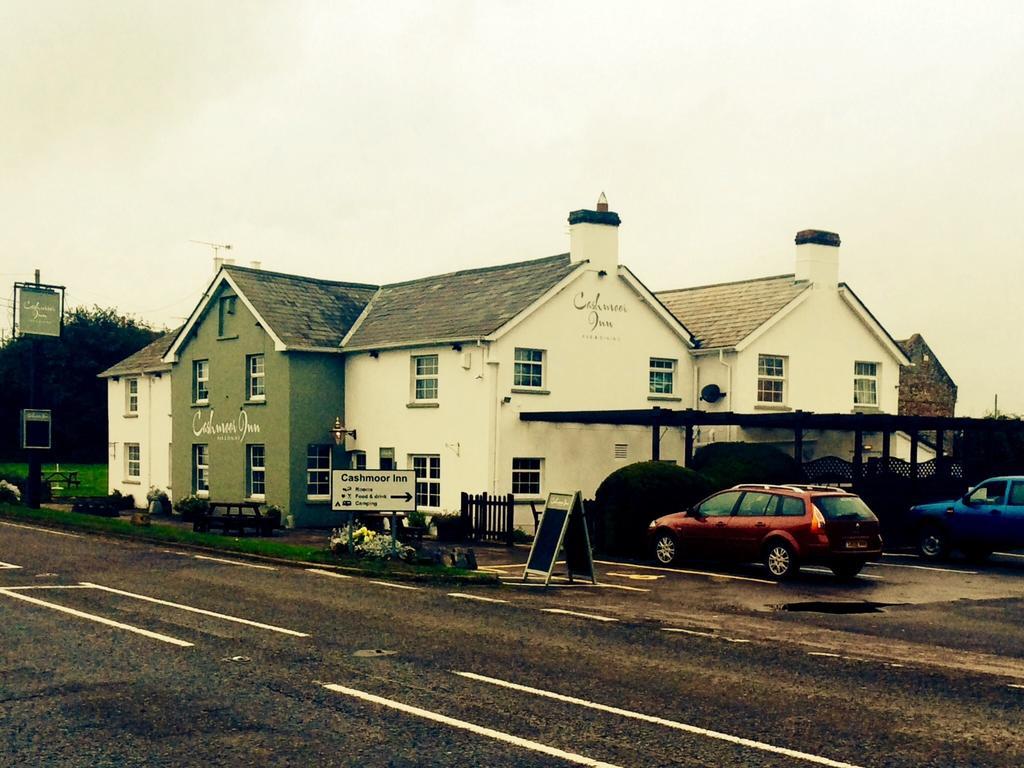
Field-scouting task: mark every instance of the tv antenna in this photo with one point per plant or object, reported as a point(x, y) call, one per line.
point(216, 246)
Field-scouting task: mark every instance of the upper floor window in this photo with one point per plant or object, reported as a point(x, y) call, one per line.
point(131, 395)
point(526, 476)
point(318, 471)
point(771, 379)
point(256, 471)
point(225, 314)
point(133, 460)
point(201, 381)
point(865, 383)
point(428, 480)
point(662, 373)
point(424, 377)
point(255, 387)
point(529, 368)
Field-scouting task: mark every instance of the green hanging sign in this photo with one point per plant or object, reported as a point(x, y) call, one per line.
point(39, 309)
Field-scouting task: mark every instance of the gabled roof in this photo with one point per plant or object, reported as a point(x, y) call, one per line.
point(724, 314)
point(146, 360)
point(458, 306)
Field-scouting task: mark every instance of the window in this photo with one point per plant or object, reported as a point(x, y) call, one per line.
point(424, 377)
point(526, 476)
point(755, 505)
point(201, 470)
point(255, 387)
point(771, 379)
point(1016, 495)
point(358, 460)
point(201, 382)
point(318, 471)
point(387, 458)
point(256, 471)
point(226, 308)
point(428, 480)
point(131, 396)
point(529, 368)
point(720, 505)
point(132, 461)
point(865, 383)
point(662, 376)
point(790, 506)
point(991, 492)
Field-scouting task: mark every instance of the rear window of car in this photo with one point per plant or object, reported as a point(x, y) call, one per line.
point(844, 508)
point(790, 506)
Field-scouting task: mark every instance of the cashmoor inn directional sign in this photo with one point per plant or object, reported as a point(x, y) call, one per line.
point(373, 490)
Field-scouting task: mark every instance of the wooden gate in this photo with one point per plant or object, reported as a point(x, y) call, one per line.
point(488, 518)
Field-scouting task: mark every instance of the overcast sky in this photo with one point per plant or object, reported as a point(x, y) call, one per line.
point(377, 142)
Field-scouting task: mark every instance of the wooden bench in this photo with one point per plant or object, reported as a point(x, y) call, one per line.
point(61, 479)
point(238, 515)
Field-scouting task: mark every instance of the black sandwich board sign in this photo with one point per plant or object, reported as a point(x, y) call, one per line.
point(561, 526)
point(35, 428)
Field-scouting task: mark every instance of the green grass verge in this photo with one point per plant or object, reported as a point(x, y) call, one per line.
point(93, 477)
point(265, 547)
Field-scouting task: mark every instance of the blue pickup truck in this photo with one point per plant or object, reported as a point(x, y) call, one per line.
point(989, 516)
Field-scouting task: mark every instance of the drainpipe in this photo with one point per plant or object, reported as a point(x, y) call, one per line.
point(728, 392)
point(492, 442)
point(149, 430)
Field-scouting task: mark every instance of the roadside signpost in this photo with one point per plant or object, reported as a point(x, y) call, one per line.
point(562, 526)
point(379, 491)
point(35, 429)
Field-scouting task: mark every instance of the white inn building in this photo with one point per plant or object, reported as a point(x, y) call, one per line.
point(433, 374)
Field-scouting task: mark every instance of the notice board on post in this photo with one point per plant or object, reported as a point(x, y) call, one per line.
point(562, 526)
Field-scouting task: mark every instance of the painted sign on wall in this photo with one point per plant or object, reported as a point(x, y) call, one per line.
point(204, 424)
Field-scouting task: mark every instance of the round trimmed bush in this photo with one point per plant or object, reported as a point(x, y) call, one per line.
point(727, 464)
point(629, 498)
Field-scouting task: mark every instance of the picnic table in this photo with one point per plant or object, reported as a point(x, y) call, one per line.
point(237, 515)
point(59, 479)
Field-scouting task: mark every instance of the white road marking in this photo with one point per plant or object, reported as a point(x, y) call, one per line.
point(190, 609)
point(899, 554)
point(692, 573)
point(822, 653)
point(235, 562)
point(9, 567)
point(1009, 554)
point(1013, 685)
point(504, 565)
point(622, 587)
point(922, 568)
point(704, 634)
point(829, 572)
point(98, 619)
point(564, 612)
point(480, 730)
point(636, 576)
point(49, 586)
point(332, 574)
point(738, 740)
point(395, 586)
point(42, 530)
point(481, 598)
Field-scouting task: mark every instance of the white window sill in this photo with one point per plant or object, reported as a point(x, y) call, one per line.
point(866, 409)
point(202, 494)
point(201, 404)
point(771, 407)
point(256, 401)
point(530, 391)
point(131, 415)
point(131, 481)
point(257, 497)
point(318, 499)
point(528, 498)
point(665, 398)
point(423, 404)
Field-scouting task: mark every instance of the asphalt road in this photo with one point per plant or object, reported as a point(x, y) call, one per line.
point(124, 654)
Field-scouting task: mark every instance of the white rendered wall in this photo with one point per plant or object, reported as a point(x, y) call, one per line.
point(150, 428)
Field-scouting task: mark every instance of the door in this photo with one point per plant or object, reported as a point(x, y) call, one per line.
point(749, 525)
point(1013, 516)
point(707, 528)
point(978, 517)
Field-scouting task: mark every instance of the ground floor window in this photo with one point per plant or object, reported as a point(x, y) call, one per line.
point(132, 461)
point(318, 471)
point(428, 480)
point(256, 471)
point(387, 458)
point(201, 469)
point(526, 476)
point(358, 460)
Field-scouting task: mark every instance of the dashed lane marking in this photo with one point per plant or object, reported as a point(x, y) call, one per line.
point(481, 598)
point(42, 530)
point(712, 635)
point(332, 574)
point(636, 576)
point(98, 619)
point(921, 568)
point(562, 582)
point(1014, 685)
point(191, 609)
point(480, 730)
point(564, 612)
point(48, 586)
point(1009, 554)
point(395, 586)
point(713, 574)
point(822, 653)
point(9, 567)
point(696, 730)
point(829, 572)
point(235, 562)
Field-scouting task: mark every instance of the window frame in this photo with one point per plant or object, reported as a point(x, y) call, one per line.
point(130, 463)
point(418, 376)
point(428, 485)
point(201, 384)
point(201, 471)
point(874, 379)
point(531, 475)
point(653, 371)
point(252, 470)
point(765, 377)
point(321, 487)
point(252, 378)
point(526, 370)
point(131, 399)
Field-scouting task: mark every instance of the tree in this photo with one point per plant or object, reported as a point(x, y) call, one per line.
point(92, 341)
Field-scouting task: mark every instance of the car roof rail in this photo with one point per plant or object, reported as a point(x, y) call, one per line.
point(797, 487)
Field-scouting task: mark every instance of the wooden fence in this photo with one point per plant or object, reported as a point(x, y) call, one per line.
point(488, 518)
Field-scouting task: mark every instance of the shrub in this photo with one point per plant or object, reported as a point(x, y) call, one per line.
point(192, 507)
point(9, 493)
point(160, 496)
point(449, 527)
point(727, 464)
point(629, 498)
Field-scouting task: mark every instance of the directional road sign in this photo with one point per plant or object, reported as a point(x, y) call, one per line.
point(373, 490)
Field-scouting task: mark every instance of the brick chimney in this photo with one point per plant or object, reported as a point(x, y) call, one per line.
point(594, 237)
point(817, 258)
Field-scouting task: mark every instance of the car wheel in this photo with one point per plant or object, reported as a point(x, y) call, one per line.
point(666, 550)
point(847, 570)
point(932, 543)
point(780, 560)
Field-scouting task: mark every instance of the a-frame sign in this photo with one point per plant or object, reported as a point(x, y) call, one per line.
point(562, 526)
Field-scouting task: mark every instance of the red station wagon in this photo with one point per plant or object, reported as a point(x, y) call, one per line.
point(783, 526)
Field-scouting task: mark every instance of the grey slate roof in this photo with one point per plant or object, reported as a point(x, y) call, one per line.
point(146, 360)
point(722, 315)
point(304, 312)
point(456, 306)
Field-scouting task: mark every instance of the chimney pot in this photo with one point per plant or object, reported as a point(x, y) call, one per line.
point(817, 258)
point(817, 237)
point(602, 203)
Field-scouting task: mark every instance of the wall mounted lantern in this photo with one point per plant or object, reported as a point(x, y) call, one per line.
point(339, 432)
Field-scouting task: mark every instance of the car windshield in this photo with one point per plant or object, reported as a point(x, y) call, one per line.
point(844, 508)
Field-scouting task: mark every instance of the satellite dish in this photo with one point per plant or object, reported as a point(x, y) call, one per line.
point(711, 393)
